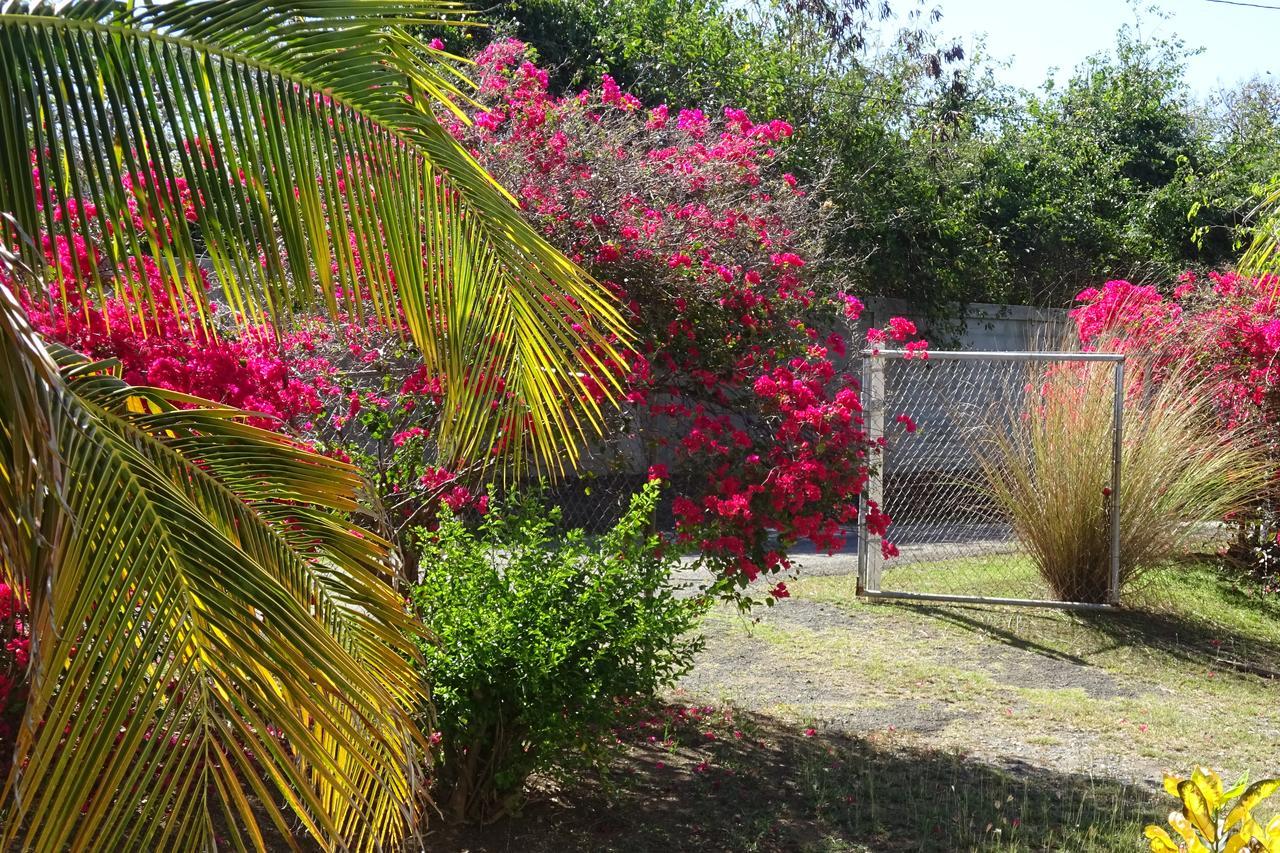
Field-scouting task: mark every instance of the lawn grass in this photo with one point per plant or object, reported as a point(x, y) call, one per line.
point(1001, 574)
point(838, 724)
point(1191, 609)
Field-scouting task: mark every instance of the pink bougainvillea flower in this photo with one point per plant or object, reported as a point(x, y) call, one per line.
point(900, 328)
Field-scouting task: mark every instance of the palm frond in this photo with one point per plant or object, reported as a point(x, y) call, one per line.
point(1263, 255)
point(212, 641)
point(31, 472)
point(318, 173)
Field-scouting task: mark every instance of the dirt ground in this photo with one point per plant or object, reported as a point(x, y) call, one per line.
point(825, 723)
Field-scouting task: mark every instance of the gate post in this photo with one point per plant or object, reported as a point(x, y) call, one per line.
point(870, 557)
point(1117, 451)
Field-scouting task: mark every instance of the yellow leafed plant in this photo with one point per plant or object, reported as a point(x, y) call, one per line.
point(1214, 819)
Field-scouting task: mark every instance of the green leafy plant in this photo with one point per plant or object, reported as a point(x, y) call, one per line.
point(1216, 820)
point(1046, 465)
point(539, 636)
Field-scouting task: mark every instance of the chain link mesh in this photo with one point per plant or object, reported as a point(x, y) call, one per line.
point(952, 538)
point(594, 502)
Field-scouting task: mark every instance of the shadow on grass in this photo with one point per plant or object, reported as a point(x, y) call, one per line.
point(1192, 640)
point(1203, 619)
point(716, 779)
point(980, 619)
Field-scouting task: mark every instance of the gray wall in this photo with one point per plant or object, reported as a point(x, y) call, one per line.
point(980, 326)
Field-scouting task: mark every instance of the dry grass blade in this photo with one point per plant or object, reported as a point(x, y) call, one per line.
point(1047, 461)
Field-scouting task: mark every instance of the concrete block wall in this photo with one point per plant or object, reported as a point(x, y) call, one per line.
point(979, 326)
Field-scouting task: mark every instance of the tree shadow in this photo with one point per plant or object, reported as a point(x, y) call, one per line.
point(730, 780)
point(978, 619)
point(1194, 641)
point(1201, 639)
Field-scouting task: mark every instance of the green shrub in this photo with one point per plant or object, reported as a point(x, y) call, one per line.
point(539, 636)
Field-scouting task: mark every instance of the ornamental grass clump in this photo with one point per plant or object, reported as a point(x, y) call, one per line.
point(1047, 465)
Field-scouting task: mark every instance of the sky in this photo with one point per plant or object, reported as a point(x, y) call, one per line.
point(1037, 35)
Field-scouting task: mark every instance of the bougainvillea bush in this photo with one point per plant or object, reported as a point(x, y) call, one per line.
point(15, 654)
point(258, 370)
point(741, 393)
point(1225, 328)
point(739, 387)
point(349, 388)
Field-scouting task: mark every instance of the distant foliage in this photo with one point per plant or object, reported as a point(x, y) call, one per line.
point(538, 635)
point(944, 185)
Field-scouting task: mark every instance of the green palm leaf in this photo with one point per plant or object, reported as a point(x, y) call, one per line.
point(211, 640)
point(1263, 255)
point(306, 134)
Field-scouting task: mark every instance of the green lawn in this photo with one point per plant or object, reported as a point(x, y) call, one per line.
point(1190, 608)
point(838, 724)
point(998, 575)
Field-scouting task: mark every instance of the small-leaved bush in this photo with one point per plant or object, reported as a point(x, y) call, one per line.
point(539, 638)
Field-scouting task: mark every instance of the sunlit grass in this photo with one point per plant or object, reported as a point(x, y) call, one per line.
point(1000, 575)
point(1194, 592)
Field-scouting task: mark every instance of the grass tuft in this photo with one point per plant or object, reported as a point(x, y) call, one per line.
point(1048, 463)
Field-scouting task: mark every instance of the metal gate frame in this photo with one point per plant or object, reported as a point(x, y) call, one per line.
point(872, 395)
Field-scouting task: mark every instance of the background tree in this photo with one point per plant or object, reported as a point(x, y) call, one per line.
point(944, 185)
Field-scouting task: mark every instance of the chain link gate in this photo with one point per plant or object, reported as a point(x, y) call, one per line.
point(953, 543)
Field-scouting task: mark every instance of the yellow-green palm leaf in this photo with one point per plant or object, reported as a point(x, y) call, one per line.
point(1263, 255)
point(211, 638)
point(306, 133)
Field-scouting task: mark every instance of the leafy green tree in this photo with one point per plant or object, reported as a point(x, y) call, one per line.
point(943, 185)
point(1243, 123)
point(1096, 181)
